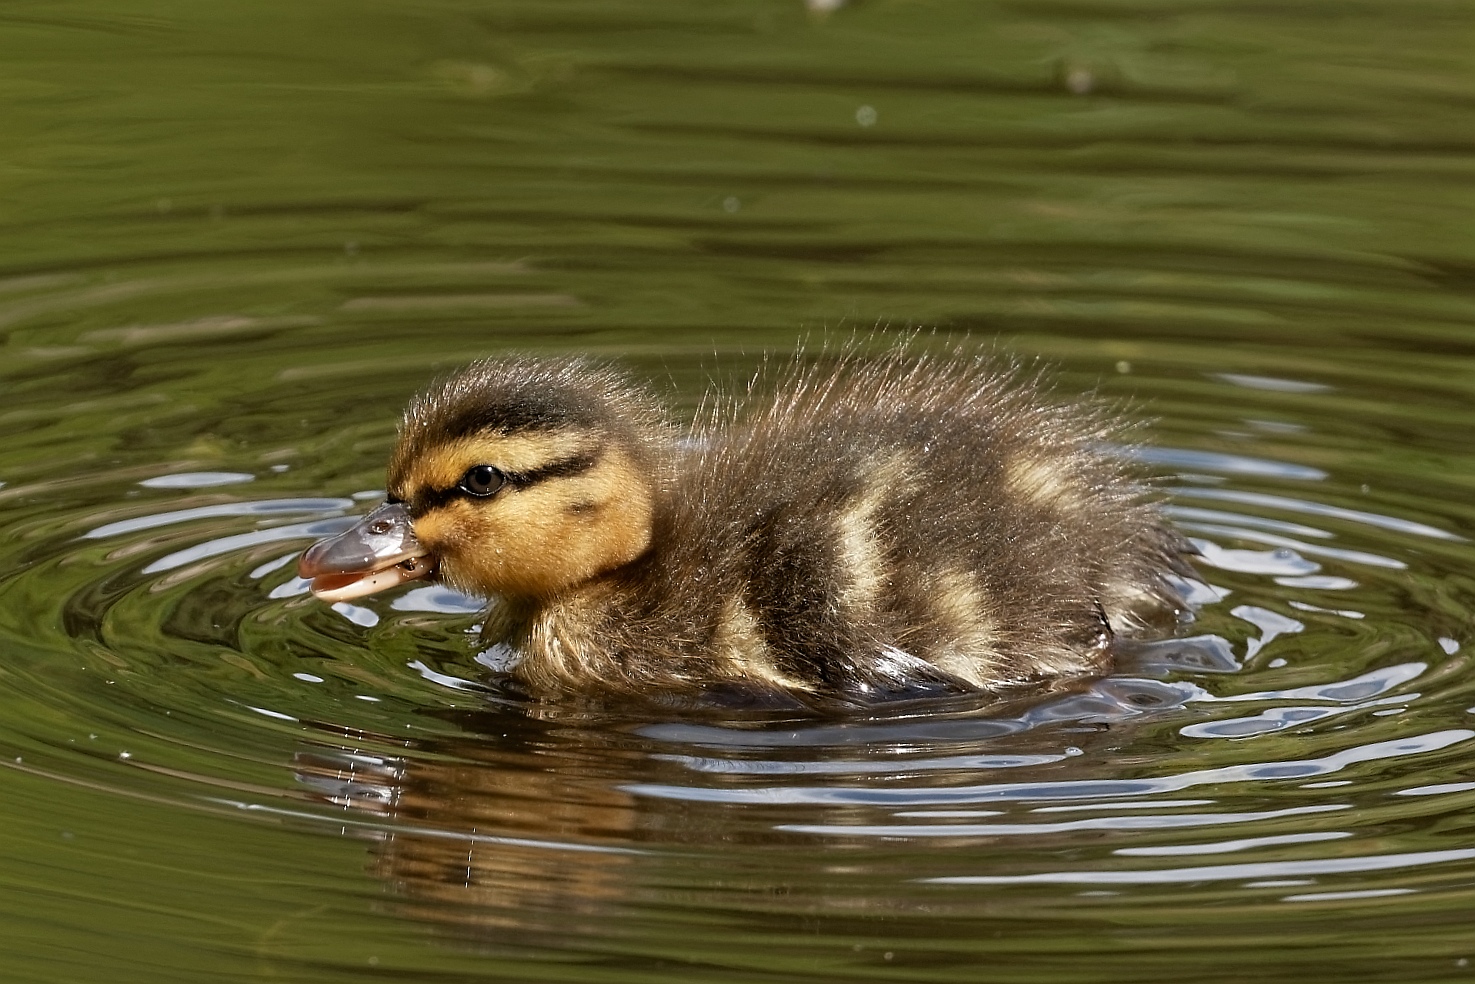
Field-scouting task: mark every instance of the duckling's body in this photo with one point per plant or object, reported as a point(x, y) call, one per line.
point(872, 528)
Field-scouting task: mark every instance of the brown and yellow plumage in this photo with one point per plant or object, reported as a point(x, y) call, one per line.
point(850, 528)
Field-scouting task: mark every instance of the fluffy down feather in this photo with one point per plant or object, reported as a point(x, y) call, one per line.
point(848, 527)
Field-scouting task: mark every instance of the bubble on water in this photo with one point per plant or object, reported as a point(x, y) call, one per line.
point(1080, 80)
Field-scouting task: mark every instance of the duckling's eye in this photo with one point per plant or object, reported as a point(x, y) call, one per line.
point(481, 480)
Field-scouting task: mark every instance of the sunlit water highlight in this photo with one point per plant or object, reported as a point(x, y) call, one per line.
point(224, 275)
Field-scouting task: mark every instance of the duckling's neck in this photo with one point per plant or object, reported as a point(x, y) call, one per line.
point(567, 639)
point(587, 630)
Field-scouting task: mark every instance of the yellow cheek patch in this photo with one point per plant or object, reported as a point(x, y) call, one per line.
point(538, 540)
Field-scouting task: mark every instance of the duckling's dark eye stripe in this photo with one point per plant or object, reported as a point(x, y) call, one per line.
point(565, 468)
point(427, 499)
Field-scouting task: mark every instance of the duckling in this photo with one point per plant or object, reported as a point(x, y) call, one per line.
point(872, 528)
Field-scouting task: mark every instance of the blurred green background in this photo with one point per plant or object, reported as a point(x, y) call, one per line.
point(234, 236)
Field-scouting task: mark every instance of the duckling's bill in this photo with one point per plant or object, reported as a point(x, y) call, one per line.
point(378, 552)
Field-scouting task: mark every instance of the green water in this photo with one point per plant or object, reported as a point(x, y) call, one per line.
point(235, 237)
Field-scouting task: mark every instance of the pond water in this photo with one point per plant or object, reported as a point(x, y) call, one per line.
point(237, 237)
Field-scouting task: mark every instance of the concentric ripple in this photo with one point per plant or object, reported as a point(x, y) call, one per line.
point(168, 650)
point(238, 237)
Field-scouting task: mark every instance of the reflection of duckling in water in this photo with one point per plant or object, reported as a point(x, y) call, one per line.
point(879, 527)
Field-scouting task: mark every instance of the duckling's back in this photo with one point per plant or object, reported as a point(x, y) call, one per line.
point(888, 526)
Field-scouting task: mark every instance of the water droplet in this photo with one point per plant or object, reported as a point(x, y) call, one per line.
point(1080, 80)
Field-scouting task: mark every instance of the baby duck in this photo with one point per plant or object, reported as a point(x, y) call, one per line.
point(876, 527)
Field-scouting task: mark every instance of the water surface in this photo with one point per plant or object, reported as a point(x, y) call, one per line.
point(236, 239)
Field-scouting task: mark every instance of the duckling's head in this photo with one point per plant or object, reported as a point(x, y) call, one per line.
point(520, 478)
